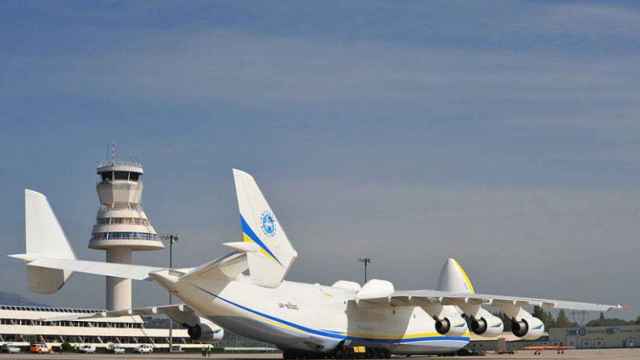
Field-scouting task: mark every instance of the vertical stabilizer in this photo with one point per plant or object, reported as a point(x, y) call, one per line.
point(453, 278)
point(271, 253)
point(44, 237)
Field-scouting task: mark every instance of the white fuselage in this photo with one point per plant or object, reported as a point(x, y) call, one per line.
point(311, 317)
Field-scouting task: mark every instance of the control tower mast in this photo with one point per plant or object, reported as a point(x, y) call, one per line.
point(121, 225)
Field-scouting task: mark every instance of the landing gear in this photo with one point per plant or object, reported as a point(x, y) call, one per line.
point(341, 352)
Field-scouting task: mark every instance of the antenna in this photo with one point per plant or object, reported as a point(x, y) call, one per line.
point(113, 150)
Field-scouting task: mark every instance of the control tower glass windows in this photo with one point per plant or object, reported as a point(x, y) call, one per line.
point(122, 220)
point(122, 235)
point(107, 176)
point(121, 175)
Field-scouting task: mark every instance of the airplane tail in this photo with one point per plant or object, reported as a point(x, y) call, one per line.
point(269, 252)
point(44, 237)
point(453, 278)
point(48, 256)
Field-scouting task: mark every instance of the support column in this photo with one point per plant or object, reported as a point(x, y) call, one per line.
point(118, 289)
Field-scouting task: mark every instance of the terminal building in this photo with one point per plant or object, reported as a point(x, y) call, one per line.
point(21, 326)
point(623, 336)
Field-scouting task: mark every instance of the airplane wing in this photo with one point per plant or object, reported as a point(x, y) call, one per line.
point(423, 297)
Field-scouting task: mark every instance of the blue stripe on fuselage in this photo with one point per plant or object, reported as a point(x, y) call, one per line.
point(332, 334)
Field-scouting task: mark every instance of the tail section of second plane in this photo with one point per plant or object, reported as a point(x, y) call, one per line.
point(269, 251)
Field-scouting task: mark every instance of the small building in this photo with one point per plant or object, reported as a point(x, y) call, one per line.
point(23, 325)
point(505, 340)
point(623, 336)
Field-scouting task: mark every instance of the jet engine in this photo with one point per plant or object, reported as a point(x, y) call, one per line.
point(523, 324)
point(448, 320)
point(485, 324)
point(205, 330)
point(527, 328)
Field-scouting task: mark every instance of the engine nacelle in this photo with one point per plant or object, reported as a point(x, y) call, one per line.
point(486, 324)
point(449, 321)
point(205, 330)
point(527, 328)
point(523, 324)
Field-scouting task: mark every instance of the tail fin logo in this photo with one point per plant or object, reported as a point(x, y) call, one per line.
point(268, 224)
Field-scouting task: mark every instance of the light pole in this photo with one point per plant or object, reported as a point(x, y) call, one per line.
point(365, 261)
point(172, 239)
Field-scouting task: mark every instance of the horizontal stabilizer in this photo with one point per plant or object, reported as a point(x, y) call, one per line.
point(229, 266)
point(135, 272)
point(243, 246)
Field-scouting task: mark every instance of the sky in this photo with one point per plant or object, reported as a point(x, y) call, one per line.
point(504, 134)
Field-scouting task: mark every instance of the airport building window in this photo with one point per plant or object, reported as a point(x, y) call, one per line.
point(124, 236)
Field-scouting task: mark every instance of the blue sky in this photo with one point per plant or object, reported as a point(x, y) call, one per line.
point(502, 133)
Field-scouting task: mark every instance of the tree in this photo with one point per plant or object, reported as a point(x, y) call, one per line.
point(602, 321)
point(66, 347)
point(638, 320)
point(546, 317)
point(562, 321)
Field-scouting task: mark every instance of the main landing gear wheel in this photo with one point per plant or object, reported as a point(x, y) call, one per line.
point(341, 352)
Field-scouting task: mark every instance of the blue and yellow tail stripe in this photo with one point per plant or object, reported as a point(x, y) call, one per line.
point(248, 235)
point(363, 338)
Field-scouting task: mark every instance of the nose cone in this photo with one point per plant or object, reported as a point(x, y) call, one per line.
point(165, 278)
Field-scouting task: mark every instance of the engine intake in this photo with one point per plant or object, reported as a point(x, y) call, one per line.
point(478, 326)
point(447, 319)
point(529, 328)
point(204, 330)
point(443, 326)
point(484, 323)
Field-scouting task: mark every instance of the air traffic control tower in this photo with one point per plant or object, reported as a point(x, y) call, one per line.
point(121, 225)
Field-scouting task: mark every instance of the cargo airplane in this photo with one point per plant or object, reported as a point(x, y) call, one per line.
point(246, 292)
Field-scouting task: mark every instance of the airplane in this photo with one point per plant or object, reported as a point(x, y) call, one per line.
point(246, 292)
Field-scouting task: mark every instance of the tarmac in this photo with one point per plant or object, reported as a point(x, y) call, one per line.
point(603, 354)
